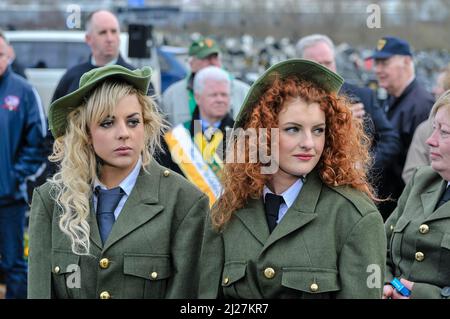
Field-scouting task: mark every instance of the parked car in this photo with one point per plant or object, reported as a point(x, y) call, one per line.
point(46, 55)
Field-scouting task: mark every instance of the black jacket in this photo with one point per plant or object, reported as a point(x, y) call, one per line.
point(405, 113)
point(70, 80)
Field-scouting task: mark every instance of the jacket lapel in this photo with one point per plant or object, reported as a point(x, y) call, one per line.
point(253, 216)
point(140, 207)
point(94, 233)
point(430, 200)
point(301, 213)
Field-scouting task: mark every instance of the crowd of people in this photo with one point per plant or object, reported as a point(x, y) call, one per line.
point(289, 188)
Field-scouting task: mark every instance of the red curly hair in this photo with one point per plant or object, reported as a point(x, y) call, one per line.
point(345, 158)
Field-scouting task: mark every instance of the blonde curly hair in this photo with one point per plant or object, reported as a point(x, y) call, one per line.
point(72, 184)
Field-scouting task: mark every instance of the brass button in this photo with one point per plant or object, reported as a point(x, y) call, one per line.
point(166, 173)
point(314, 287)
point(420, 256)
point(423, 229)
point(226, 280)
point(105, 295)
point(57, 269)
point(154, 275)
point(104, 263)
point(391, 227)
point(269, 273)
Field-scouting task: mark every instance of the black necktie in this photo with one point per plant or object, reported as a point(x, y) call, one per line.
point(107, 201)
point(272, 206)
point(445, 198)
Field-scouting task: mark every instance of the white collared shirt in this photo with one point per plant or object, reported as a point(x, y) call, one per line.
point(127, 185)
point(289, 196)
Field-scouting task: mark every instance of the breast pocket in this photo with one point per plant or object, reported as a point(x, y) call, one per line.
point(233, 280)
point(310, 283)
point(146, 276)
point(66, 274)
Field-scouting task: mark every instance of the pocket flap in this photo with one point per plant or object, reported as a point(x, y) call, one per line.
point(64, 262)
point(233, 271)
point(445, 243)
point(311, 280)
point(401, 224)
point(152, 267)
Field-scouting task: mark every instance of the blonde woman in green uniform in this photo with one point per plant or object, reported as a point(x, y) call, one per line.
point(112, 223)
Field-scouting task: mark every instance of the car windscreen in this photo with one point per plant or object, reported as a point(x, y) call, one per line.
point(44, 54)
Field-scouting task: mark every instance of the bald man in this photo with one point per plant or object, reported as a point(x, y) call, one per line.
point(103, 37)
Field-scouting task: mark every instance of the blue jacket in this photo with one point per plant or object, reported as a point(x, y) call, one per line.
point(22, 131)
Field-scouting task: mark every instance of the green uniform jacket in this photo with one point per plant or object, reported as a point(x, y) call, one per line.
point(419, 237)
point(152, 251)
point(330, 244)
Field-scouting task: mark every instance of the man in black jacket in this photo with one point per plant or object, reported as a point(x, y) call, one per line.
point(386, 143)
point(407, 106)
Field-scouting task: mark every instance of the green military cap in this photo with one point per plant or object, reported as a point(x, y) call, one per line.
point(303, 69)
point(60, 109)
point(203, 47)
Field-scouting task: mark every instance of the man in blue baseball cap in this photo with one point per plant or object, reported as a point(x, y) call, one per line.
point(389, 46)
point(406, 107)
